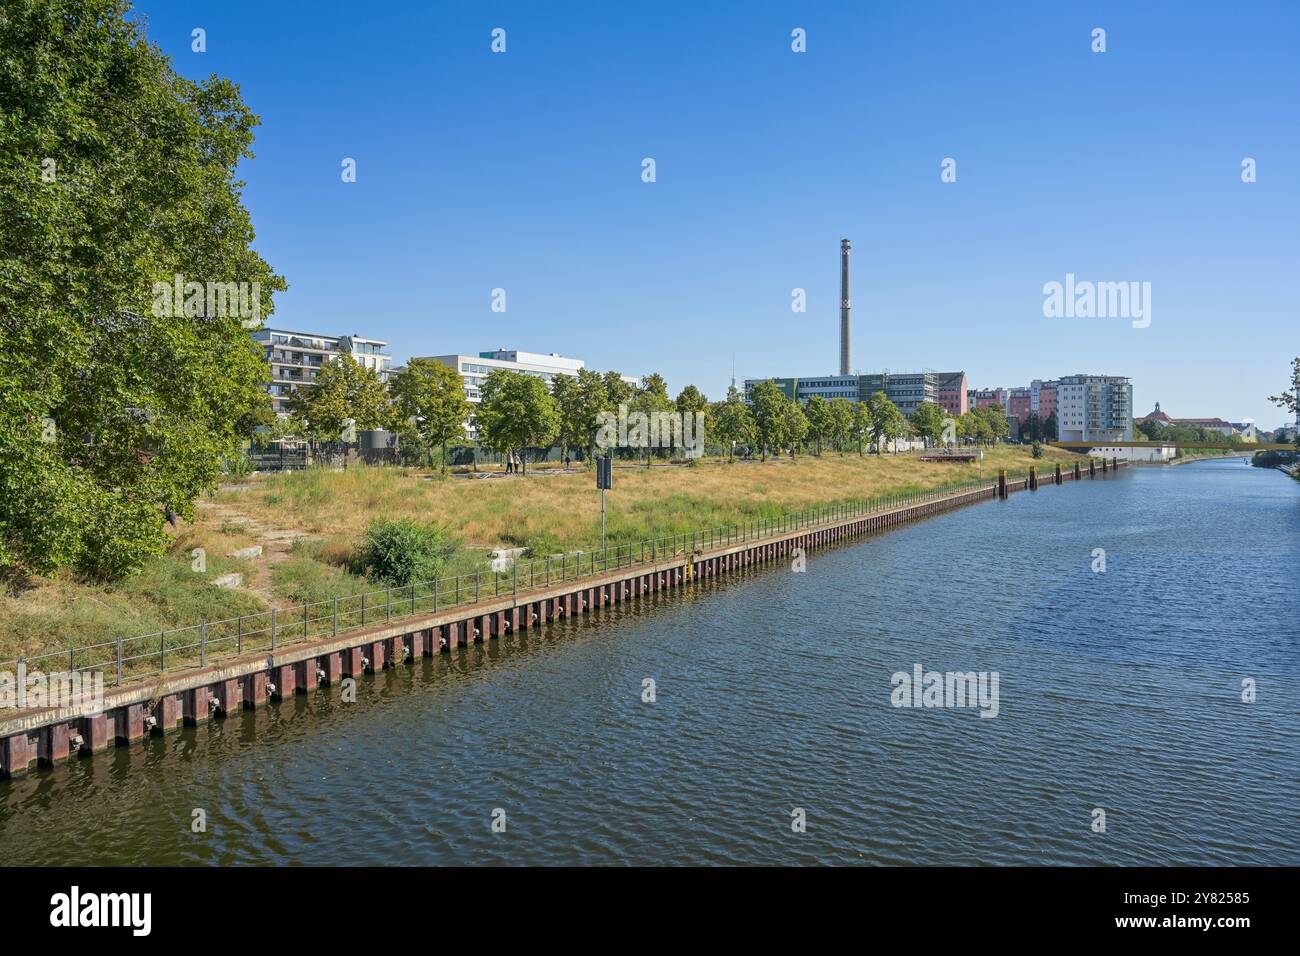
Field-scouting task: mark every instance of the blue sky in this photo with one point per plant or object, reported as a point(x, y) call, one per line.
point(522, 171)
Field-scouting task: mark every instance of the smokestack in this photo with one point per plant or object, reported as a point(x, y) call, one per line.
point(845, 364)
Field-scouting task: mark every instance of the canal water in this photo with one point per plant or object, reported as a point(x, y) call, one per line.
point(1119, 691)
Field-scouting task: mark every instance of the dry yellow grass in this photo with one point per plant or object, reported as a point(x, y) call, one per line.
point(548, 512)
point(556, 510)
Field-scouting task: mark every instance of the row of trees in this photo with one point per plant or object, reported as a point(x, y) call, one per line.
point(426, 404)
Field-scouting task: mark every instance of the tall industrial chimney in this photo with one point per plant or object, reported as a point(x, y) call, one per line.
point(845, 364)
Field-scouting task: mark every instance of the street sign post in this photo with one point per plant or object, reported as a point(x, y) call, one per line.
point(604, 481)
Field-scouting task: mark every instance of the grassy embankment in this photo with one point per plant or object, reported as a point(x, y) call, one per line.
point(309, 524)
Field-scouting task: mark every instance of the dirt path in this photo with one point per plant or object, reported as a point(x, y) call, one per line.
point(276, 544)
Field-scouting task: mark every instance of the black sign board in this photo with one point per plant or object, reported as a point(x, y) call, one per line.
point(604, 472)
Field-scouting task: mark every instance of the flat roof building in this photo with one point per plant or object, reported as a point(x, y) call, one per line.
point(907, 390)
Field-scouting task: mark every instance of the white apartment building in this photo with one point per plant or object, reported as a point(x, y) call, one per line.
point(296, 358)
point(474, 369)
point(1094, 408)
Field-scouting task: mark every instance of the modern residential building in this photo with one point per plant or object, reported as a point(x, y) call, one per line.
point(1042, 398)
point(1095, 407)
point(907, 390)
point(296, 358)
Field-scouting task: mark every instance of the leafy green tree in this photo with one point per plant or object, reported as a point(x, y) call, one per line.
point(862, 424)
point(887, 422)
point(117, 174)
point(974, 426)
point(996, 418)
point(927, 421)
point(768, 405)
point(731, 422)
point(818, 414)
point(516, 411)
point(691, 400)
point(1290, 400)
point(343, 391)
point(841, 423)
point(583, 404)
point(617, 392)
point(793, 425)
point(652, 399)
point(429, 402)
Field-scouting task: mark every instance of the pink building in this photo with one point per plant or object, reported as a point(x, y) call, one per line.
point(1018, 404)
point(981, 397)
point(1046, 403)
point(952, 393)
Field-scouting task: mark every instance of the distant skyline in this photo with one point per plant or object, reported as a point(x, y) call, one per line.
point(522, 171)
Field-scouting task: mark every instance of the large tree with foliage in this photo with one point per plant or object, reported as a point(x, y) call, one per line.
point(818, 415)
point(793, 426)
point(652, 400)
point(429, 402)
point(887, 422)
point(768, 404)
point(117, 174)
point(927, 421)
point(840, 415)
point(861, 427)
point(344, 391)
point(516, 411)
point(1290, 400)
point(731, 423)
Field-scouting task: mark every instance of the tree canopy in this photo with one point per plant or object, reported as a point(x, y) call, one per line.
point(118, 176)
point(515, 411)
point(429, 401)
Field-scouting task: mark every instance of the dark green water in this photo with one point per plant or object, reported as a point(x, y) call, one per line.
point(1119, 691)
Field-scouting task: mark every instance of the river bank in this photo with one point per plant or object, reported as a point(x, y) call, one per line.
point(308, 525)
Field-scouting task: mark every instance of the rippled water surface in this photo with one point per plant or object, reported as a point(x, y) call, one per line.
point(1119, 691)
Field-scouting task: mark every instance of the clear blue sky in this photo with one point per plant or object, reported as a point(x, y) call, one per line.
point(523, 171)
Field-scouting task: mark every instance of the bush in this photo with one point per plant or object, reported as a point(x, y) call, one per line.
point(1038, 449)
point(403, 552)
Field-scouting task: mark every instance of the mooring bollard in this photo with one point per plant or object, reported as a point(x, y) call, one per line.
point(1033, 477)
point(1002, 482)
point(1058, 474)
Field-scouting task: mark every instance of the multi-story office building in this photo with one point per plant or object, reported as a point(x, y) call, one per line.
point(296, 358)
point(1095, 408)
point(474, 369)
point(907, 390)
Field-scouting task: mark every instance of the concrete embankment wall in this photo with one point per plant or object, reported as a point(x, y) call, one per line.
point(162, 703)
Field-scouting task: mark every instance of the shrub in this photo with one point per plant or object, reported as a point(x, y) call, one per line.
point(404, 551)
point(1038, 449)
